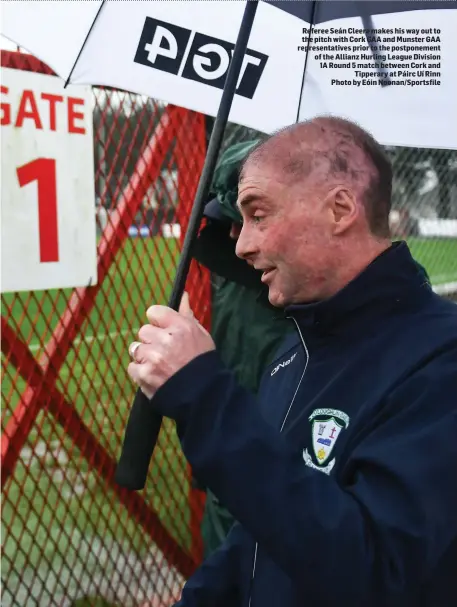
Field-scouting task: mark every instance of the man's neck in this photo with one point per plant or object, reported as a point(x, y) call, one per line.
point(363, 254)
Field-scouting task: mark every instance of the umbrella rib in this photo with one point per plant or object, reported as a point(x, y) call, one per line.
point(311, 25)
point(67, 82)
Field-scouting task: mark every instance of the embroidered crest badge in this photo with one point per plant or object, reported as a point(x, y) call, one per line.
point(326, 426)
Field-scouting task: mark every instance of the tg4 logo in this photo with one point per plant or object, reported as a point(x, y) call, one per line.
point(195, 56)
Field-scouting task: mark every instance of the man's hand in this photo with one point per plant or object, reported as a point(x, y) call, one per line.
point(167, 344)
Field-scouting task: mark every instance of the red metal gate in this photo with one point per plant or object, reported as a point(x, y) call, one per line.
point(69, 531)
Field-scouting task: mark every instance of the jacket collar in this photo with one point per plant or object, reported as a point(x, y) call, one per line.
point(393, 279)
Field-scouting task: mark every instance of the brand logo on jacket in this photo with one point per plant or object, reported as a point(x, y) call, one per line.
point(195, 56)
point(326, 426)
point(283, 364)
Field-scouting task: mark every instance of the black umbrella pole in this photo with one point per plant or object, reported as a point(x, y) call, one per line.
point(144, 423)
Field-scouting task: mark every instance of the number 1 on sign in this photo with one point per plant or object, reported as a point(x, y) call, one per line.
point(43, 170)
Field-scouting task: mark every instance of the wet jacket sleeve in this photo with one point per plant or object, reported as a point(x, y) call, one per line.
point(377, 537)
point(216, 581)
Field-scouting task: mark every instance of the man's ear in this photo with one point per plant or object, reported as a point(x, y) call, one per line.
point(345, 209)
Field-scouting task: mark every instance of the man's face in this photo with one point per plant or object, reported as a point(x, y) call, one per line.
point(286, 233)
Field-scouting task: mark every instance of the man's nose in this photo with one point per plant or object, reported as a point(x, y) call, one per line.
point(245, 245)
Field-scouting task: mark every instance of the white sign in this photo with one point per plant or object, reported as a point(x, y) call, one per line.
point(48, 226)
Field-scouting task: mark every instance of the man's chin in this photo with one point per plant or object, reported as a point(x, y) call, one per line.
point(276, 298)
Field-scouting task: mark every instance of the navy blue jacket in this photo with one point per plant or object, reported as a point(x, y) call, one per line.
point(343, 473)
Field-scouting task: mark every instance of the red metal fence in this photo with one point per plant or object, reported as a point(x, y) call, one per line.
point(71, 536)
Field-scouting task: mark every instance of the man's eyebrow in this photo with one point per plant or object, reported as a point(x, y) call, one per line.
point(247, 200)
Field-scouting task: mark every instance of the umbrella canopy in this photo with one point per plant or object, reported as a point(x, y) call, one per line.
point(323, 11)
point(388, 65)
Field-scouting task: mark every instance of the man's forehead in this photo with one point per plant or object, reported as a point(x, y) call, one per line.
point(257, 184)
point(299, 149)
point(284, 171)
point(261, 183)
point(255, 172)
point(262, 171)
point(253, 186)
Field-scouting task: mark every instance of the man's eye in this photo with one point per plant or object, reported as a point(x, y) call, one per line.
point(257, 218)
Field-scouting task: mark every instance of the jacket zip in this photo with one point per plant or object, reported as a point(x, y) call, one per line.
point(282, 426)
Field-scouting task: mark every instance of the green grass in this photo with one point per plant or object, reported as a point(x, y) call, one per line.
point(46, 522)
point(92, 602)
point(141, 275)
point(438, 256)
point(41, 510)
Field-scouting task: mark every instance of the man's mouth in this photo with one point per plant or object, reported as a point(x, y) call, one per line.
point(266, 275)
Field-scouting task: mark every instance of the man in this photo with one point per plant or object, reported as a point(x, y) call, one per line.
point(242, 319)
point(343, 476)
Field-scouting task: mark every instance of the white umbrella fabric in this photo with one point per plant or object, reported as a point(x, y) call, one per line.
point(399, 82)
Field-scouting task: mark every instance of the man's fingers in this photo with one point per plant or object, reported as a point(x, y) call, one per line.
point(144, 353)
point(184, 307)
point(136, 351)
point(140, 370)
point(132, 370)
point(186, 310)
point(133, 348)
point(151, 334)
point(139, 374)
point(162, 316)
